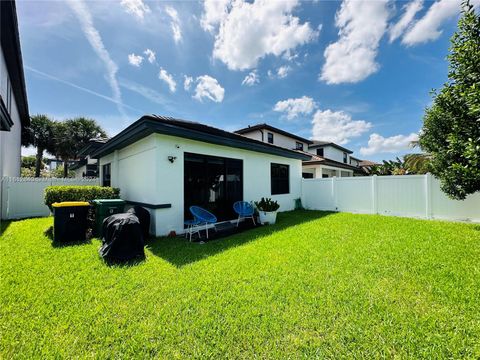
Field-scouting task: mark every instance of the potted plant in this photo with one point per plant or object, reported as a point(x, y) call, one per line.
point(267, 210)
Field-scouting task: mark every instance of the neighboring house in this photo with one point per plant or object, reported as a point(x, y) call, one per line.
point(168, 165)
point(87, 166)
point(327, 159)
point(53, 164)
point(13, 95)
point(367, 165)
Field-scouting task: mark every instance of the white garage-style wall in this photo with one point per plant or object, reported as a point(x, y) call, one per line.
point(143, 173)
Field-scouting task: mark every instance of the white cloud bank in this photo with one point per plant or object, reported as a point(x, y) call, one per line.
point(361, 23)
point(174, 23)
point(135, 60)
point(209, 88)
point(283, 71)
point(393, 144)
point(136, 8)
point(247, 32)
point(337, 126)
point(168, 79)
point(150, 54)
point(410, 10)
point(294, 107)
point(251, 79)
point(187, 82)
point(428, 27)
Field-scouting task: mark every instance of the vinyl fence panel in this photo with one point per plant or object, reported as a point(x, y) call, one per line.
point(416, 196)
point(23, 197)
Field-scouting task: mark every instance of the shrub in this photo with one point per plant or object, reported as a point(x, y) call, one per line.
point(78, 193)
point(267, 205)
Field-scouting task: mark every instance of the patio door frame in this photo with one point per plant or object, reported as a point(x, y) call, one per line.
point(216, 175)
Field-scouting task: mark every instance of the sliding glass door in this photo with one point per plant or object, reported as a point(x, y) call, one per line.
point(213, 183)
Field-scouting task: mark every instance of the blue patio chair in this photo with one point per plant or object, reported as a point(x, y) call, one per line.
point(192, 228)
point(244, 211)
point(203, 217)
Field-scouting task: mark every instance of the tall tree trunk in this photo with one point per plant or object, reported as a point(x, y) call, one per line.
point(65, 168)
point(38, 161)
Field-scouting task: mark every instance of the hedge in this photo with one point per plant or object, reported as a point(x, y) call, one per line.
point(78, 193)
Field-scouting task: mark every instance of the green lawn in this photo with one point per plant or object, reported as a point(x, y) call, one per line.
point(314, 285)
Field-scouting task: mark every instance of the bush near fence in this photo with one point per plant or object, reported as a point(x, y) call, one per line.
point(78, 193)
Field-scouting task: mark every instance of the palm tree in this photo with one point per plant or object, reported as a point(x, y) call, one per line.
point(40, 135)
point(74, 134)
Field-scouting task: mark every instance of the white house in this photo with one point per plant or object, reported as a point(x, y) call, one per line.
point(167, 165)
point(87, 166)
point(327, 159)
point(13, 96)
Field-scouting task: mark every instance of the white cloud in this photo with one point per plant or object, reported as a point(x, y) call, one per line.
point(247, 31)
point(187, 82)
point(411, 9)
point(93, 36)
point(428, 27)
point(135, 7)
point(214, 12)
point(251, 79)
point(337, 126)
point(174, 23)
point(379, 144)
point(150, 54)
point(283, 71)
point(294, 107)
point(208, 87)
point(361, 23)
point(168, 79)
point(135, 60)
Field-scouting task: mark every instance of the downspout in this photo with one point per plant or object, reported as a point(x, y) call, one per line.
point(261, 132)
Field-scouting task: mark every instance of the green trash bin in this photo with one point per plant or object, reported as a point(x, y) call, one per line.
point(103, 209)
point(70, 221)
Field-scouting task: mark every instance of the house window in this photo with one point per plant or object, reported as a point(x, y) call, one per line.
point(106, 175)
point(280, 178)
point(320, 152)
point(307, 175)
point(299, 146)
point(270, 138)
point(345, 160)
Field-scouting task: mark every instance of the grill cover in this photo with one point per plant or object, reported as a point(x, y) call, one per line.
point(143, 216)
point(122, 238)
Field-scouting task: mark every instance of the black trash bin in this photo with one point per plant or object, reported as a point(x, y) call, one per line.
point(70, 221)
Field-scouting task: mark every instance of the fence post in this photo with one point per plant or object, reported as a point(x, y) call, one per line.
point(334, 193)
point(374, 195)
point(428, 195)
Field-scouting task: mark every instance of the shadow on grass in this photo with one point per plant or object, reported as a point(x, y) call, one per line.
point(4, 224)
point(124, 264)
point(180, 252)
point(57, 244)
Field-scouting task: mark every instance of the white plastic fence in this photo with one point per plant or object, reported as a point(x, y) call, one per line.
point(416, 196)
point(23, 197)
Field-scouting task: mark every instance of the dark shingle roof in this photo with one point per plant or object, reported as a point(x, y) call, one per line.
point(150, 124)
point(271, 128)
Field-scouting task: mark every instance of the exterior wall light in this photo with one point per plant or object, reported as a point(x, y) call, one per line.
point(172, 159)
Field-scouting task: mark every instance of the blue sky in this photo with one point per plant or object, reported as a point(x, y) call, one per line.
point(354, 72)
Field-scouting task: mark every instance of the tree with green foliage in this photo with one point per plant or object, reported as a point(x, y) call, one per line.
point(451, 126)
point(39, 134)
point(72, 135)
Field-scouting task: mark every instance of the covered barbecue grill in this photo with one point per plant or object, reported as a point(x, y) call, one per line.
point(122, 238)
